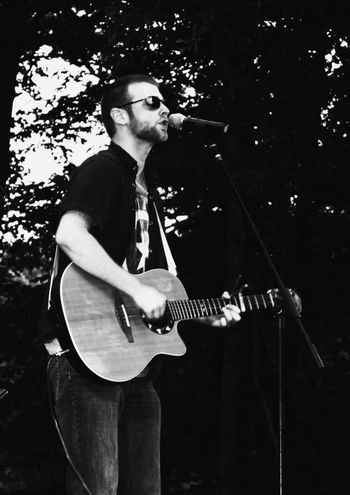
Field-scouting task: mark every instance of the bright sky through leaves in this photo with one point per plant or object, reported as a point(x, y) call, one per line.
point(53, 78)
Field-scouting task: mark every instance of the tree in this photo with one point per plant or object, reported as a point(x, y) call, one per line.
point(278, 74)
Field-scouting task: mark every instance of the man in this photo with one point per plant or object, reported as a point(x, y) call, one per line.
point(110, 229)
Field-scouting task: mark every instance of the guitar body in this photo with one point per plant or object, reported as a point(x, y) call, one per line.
point(106, 327)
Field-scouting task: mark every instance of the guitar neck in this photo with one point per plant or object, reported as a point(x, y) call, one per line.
point(188, 309)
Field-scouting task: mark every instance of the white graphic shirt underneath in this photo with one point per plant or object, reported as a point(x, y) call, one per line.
point(139, 248)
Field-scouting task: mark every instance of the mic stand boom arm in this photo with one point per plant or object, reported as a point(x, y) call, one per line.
point(289, 306)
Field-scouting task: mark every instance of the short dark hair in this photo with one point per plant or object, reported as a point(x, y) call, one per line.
point(117, 94)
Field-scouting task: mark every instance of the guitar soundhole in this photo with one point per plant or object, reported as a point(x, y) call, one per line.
point(160, 327)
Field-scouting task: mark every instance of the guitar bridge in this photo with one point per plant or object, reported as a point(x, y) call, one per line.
point(122, 317)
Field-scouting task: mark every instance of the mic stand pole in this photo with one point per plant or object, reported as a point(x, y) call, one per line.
point(281, 422)
point(289, 307)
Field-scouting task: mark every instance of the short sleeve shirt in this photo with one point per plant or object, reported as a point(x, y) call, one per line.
point(104, 188)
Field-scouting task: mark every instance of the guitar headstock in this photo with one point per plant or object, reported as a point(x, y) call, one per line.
point(278, 299)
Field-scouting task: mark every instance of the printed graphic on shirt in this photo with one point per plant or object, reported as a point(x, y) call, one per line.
point(139, 249)
point(142, 235)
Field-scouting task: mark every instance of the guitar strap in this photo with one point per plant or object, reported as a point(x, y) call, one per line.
point(52, 276)
point(169, 257)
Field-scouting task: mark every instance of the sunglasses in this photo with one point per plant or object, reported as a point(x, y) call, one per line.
point(153, 102)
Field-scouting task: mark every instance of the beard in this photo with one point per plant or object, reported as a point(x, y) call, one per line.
point(148, 132)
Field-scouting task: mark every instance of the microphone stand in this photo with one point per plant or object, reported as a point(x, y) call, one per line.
point(289, 308)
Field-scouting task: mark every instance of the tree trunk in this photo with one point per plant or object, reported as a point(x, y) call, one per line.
point(11, 38)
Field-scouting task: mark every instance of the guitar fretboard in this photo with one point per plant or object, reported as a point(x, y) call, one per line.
point(187, 309)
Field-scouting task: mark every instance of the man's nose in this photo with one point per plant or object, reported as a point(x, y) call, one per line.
point(164, 110)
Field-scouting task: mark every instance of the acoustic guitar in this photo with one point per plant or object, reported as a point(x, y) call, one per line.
point(113, 338)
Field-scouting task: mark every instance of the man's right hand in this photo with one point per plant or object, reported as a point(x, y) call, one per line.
point(150, 301)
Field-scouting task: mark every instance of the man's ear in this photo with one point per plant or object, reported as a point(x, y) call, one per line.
point(119, 115)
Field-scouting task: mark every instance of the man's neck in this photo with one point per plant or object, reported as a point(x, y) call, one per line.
point(139, 150)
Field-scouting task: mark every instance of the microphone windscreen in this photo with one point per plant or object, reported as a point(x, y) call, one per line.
point(176, 120)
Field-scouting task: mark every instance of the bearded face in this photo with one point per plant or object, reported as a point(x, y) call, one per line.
point(154, 129)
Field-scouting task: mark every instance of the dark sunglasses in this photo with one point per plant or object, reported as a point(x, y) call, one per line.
point(153, 102)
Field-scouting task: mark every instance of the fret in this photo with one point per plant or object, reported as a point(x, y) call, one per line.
point(216, 310)
point(183, 310)
point(217, 306)
point(170, 310)
point(187, 306)
point(247, 298)
point(173, 310)
point(209, 304)
point(263, 301)
point(214, 306)
point(252, 302)
point(241, 301)
point(172, 305)
point(204, 308)
point(220, 304)
point(184, 306)
point(187, 309)
point(191, 308)
point(178, 310)
point(198, 309)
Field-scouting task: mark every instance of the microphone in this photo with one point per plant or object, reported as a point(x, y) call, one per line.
point(179, 121)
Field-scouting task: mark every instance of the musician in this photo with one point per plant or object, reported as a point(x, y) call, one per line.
point(110, 228)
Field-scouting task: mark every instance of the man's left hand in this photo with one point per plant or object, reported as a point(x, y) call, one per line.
point(231, 315)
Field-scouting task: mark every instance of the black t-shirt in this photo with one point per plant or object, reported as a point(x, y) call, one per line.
point(103, 187)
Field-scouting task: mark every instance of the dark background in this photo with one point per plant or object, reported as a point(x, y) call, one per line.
point(278, 72)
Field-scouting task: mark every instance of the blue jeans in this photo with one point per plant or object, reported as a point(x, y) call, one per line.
point(111, 431)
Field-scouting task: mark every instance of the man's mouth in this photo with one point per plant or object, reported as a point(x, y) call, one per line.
point(164, 124)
